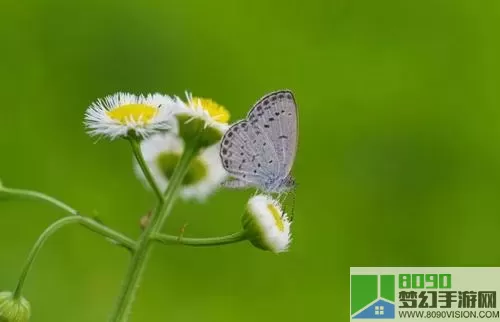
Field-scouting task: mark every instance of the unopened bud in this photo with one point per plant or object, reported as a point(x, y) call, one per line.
point(14, 310)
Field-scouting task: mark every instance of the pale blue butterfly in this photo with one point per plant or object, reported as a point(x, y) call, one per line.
point(259, 151)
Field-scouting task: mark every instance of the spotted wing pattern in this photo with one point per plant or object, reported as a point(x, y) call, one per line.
point(248, 154)
point(276, 115)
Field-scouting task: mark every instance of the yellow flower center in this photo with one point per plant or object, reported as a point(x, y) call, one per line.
point(216, 111)
point(277, 216)
point(133, 112)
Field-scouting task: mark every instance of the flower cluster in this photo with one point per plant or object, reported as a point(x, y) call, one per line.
point(176, 145)
point(164, 127)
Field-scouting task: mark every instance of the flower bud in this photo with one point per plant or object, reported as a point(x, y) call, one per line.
point(201, 120)
point(266, 225)
point(14, 310)
point(145, 221)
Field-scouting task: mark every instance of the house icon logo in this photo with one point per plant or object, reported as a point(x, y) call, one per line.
point(372, 296)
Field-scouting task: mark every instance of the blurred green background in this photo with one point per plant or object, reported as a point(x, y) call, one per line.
point(398, 163)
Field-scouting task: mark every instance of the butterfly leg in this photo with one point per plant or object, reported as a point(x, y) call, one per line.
point(235, 183)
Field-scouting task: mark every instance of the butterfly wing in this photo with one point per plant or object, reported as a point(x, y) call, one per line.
point(276, 113)
point(248, 155)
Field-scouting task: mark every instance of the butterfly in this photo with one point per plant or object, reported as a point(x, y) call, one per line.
point(259, 150)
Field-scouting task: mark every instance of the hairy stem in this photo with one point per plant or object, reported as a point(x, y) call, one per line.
point(35, 195)
point(200, 242)
point(114, 236)
point(136, 149)
point(87, 222)
point(139, 260)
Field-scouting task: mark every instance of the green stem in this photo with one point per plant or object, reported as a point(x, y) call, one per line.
point(109, 233)
point(87, 222)
point(175, 184)
point(136, 149)
point(200, 242)
point(113, 235)
point(139, 260)
point(28, 194)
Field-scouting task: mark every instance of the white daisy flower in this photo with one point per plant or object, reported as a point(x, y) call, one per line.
point(266, 225)
point(122, 113)
point(162, 153)
point(201, 119)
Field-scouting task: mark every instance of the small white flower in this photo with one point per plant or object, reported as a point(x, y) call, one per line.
point(119, 114)
point(266, 224)
point(162, 152)
point(201, 119)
